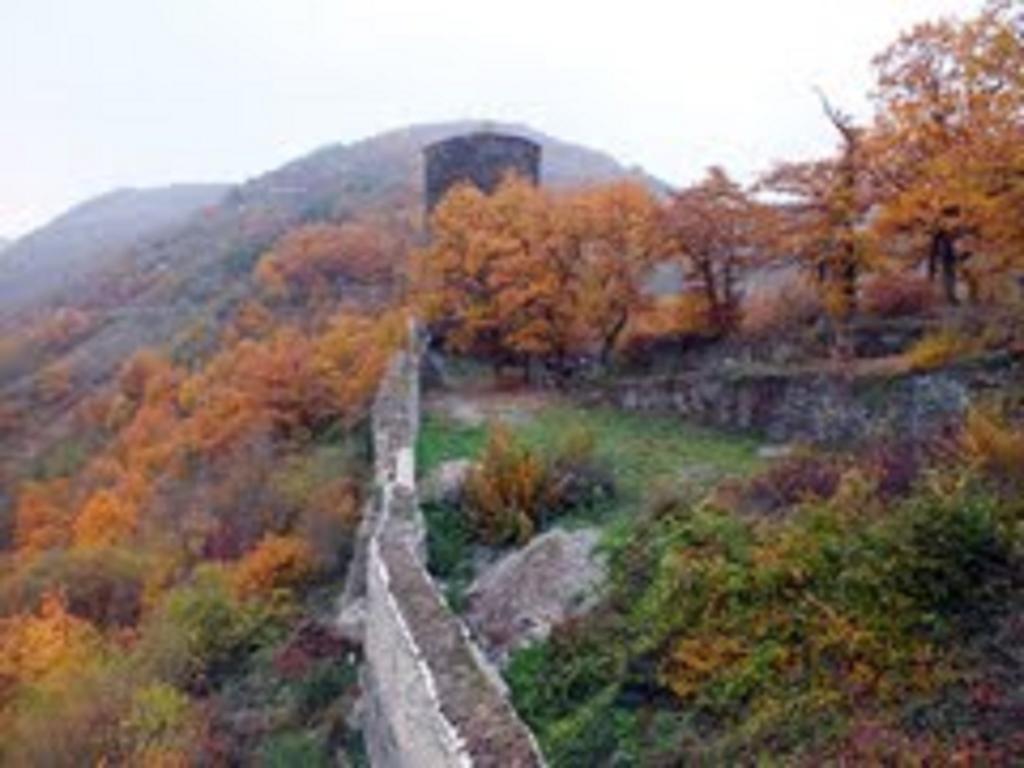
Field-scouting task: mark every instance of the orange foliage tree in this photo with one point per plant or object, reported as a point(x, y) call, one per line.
point(310, 262)
point(524, 274)
point(35, 645)
point(720, 231)
point(105, 519)
point(823, 218)
point(41, 517)
point(615, 236)
point(277, 562)
point(949, 142)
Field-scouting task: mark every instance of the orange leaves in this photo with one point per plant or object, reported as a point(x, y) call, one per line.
point(310, 262)
point(948, 145)
point(719, 230)
point(33, 646)
point(277, 562)
point(695, 661)
point(994, 446)
point(507, 493)
point(525, 273)
point(41, 518)
point(105, 520)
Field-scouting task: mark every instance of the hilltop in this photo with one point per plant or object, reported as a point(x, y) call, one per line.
point(83, 239)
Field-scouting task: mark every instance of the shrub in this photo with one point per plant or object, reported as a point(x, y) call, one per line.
point(201, 631)
point(799, 478)
point(894, 466)
point(897, 295)
point(937, 350)
point(160, 724)
point(515, 491)
point(578, 478)
point(993, 445)
point(793, 305)
point(292, 748)
point(328, 524)
point(507, 491)
point(952, 554)
point(104, 586)
point(277, 562)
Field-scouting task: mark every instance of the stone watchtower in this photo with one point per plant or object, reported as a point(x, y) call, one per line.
point(482, 158)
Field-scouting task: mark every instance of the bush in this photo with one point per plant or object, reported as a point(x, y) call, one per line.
point(104, 586)
point(277, 562)
point(201, 631)
point(507, 492)
point(898, 295)
point(578, 479)
point(799, 478)
point(514, 491)
point(994, 446)
point(937, 350)
point(293, 748)
point(792, 306)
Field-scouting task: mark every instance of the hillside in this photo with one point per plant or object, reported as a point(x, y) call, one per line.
point(85, 238)
point(180, 274)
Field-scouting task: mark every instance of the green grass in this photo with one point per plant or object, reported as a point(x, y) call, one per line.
point(643, 450)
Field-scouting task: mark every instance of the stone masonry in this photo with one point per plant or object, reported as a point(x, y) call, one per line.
point(431, 700)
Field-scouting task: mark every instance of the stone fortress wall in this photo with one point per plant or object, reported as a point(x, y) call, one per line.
point(430, 697)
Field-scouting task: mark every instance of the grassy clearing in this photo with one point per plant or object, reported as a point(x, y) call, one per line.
point(644, 451)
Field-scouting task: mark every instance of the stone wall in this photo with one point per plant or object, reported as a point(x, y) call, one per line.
point(813, 407)
point(430, 698)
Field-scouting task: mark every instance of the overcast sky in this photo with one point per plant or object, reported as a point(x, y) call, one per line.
point(97, 94)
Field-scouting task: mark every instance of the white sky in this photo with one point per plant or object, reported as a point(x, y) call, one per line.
point(96, 94)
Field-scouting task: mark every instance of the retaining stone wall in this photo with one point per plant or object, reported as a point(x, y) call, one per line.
point(818, 408)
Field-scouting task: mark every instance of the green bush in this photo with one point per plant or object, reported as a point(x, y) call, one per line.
point(202, 632)
point(293, 748)
point(772, 637)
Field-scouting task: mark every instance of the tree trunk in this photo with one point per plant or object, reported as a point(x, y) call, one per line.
point(611, 338)
point(945, 254)
point(850, 286)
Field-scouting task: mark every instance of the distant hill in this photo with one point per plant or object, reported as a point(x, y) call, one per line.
point(4, 244)
point(87, 236)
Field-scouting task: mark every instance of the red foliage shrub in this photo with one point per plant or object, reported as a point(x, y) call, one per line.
point(793, 305)
point(798, 478)
point(310, 642)
point(898, 295)
point(895, 467)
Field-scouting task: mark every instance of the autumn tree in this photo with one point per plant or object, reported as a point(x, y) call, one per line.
point(823, 217)
point(617, 238)
point(484, 282)
point(947, 145)
point(105, 519)
point(41, 517)
point(313, 262)
point(719, 229)
point(526, 274)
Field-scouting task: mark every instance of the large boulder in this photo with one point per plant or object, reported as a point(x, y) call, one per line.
point(520, 598)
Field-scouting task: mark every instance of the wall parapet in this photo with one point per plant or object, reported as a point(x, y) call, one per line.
point(430, 698)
